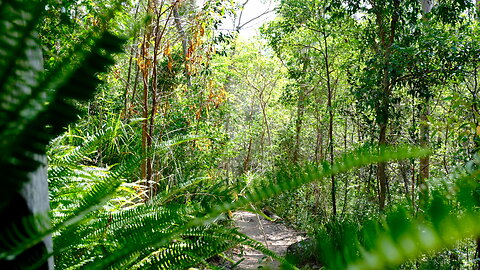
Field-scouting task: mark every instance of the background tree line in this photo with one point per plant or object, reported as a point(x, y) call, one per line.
point(193, 121)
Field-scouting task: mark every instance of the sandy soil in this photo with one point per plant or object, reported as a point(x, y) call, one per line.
point(277, 237)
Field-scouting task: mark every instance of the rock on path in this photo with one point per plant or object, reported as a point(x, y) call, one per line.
point(277, 237)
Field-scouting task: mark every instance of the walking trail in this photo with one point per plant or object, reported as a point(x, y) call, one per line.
point(275, 236)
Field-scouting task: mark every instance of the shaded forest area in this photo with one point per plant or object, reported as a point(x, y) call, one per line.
point(355, 121)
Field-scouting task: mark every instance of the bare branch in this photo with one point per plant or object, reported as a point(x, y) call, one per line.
point(255, 18)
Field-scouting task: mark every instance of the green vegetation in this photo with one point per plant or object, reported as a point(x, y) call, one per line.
point(357, 122)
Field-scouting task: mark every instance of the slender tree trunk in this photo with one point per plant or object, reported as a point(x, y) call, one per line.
point(445, 144)
point(263, 106)
point(246, 161)
point(424, 171)
point(476, 137)
point(330, 122)
point(302, 95)
point(383, 116)
point(386, 41)
point(262, 148)
point(144, 125)
point(149, 71)
point(318, 126)
point(153, 110)
point(298, 124)
point(381, 171)
point(319, 141)
point(135, 83)
point(144, 56)
point(347, 180)
point(478, 9)
point(129, 73)
point(127, 85)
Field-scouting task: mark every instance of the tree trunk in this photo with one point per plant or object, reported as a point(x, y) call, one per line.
point(298, 125)
point(383, 116)
point(302, 95)
point(145, 162)
point(478, 10)
point(319, 143)
point(381, 171)
point(386, 41)
point(427, 6)
point(318, 127)
point(476, 139)
point(424, 171)
point(145, 68)
point(330, 122)
point(153, 111)
point(249, 119)
point(154, 31)
point(246, 161)
point(133, 52)
point(33, 197)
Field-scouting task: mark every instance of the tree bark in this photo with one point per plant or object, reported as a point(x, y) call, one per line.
point(246, 162)
point(383, 115)
point(381, 170)
point(302, 95)
point(476, 139)
point(144, 56)
point(330, 122)
point(298, 124)
point(424, 171)
point(129, 73)
point(319, 139)
point(32, 199)
point(427, 6)
point(478, 10)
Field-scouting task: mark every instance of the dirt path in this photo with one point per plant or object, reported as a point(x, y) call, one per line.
point(277, 237)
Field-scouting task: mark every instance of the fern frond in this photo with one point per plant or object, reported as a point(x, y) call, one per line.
point(156, 240)
point(298, 176)
point(75, 155)
point(19, 143)
point(407, 238)
point(92, 199)
point(17, 23)
point(30, 101)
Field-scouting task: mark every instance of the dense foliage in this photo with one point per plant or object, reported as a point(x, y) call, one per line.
point(358, 122)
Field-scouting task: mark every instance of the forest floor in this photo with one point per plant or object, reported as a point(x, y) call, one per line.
point(275, 236)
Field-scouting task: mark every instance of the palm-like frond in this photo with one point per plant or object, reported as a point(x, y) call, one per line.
point(161, 234)
point(145, 236)
point(397, 236)
point(85, 232)
point(34, 108)
point(301, 175)
point(449, 219)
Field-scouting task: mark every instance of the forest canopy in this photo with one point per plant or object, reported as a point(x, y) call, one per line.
point(355, 122)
